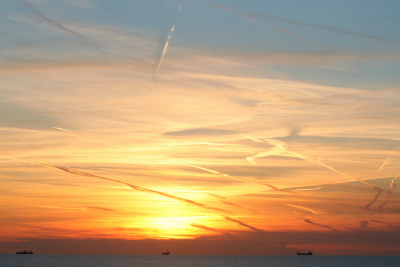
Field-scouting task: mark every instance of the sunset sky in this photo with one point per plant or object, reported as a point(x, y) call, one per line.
point(200, 127)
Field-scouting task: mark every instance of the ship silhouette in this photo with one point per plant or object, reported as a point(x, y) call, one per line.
point(309, 253)
point(24, 252)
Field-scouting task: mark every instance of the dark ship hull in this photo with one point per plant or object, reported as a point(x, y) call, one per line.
point(309, 253)
point(24, 252)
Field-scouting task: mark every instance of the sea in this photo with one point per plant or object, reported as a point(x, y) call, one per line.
point(194, 261)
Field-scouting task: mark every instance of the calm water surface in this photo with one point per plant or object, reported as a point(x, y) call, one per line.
point(185, 260)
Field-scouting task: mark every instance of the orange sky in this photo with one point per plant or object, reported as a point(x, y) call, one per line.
point(180, 146)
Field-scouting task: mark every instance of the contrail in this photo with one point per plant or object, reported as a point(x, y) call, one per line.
point(61, 129)
point(374, 19)
point(57, 207)
point(326, 28)
point(260, 22)
point(393, 184)
point(31, 8)
point(135, 187)
point(253, 139)
point(238, 206)
point(164, 50)
point(209, 229)
point(321, 225)
point(287, 191)
point(243, 224)
point(162, 55)
point(247, 181)
point(100, 208)
point(218, 173)
point(303, 208)
point(278, 148)
point(341, 69)
point(365, 101)
point(388, 158)
point(388, 224)
point(364, 224)
point(374, 187)
point(217, 196)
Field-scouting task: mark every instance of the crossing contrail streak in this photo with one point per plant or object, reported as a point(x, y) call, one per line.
point(394, 152)
point(135, 187)
point(374, 187)
point(254, 182)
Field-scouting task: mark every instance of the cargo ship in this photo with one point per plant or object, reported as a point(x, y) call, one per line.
point(309, 253)
point(24, 252)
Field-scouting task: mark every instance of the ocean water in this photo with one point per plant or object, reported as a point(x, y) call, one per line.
point(194, 261)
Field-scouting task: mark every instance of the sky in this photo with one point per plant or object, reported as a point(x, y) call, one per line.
point(200, 127)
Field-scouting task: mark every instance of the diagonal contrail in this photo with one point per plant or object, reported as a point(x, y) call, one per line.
point(326, 28)
point(384, 163)
point(388, 224)
point(237, 205)
point(303, 208)
point(243, 224)
point(260, 22)
point(365, 101)
point(162, 55)
point(31, 8)
point(321, 225)
point(374, 187)
point(135, 187)
point(164, 50)
point(282, 148)
point(209, 229)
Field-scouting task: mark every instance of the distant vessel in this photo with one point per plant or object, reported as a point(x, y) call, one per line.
point(166, 253)
point(309, 253)
point(24, 252)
